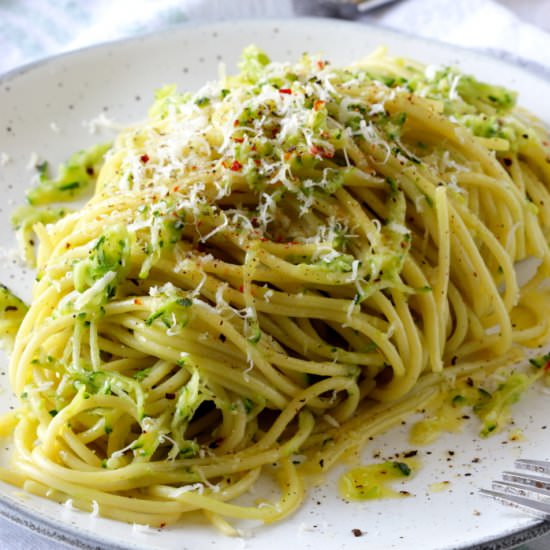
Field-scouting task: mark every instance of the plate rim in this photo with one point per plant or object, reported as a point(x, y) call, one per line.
point(69, 533)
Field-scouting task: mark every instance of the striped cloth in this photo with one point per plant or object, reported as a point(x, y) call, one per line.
point(32, 29)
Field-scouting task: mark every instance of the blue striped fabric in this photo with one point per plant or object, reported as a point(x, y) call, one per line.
point(33, 29)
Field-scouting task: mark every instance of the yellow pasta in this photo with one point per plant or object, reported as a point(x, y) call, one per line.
point(286, 262)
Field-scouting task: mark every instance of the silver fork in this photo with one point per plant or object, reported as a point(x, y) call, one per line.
point(344, 9)
point(528, 491)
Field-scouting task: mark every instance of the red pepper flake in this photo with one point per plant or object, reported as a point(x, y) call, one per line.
point(137, 301)
point(162, 525)
point(285, 91)
point(321, 64)
point(236, 122)
point(315, 150)
point(318, 104)
point(175, 188)
point(236, 166)
point(547, 367)
point(238, 139)
point(144, 158)
point(241, 288)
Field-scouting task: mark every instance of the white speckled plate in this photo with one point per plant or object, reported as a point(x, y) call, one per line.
point(44, 109)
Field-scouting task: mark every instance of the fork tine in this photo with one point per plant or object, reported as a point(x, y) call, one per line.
point(521, 490)
point(540, 466)
point(529, 492)
point(533, 507)
point(527, 479)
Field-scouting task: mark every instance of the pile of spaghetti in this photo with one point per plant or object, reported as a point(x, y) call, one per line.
point(270, 271)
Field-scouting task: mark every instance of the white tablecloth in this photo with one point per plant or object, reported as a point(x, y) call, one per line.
point(32, 29)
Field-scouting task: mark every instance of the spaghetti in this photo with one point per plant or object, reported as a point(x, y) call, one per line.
point(290, 260)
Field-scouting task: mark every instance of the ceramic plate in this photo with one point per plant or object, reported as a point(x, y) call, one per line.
point(52, 108)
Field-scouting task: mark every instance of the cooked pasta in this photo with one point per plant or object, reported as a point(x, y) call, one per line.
point(287, 262)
